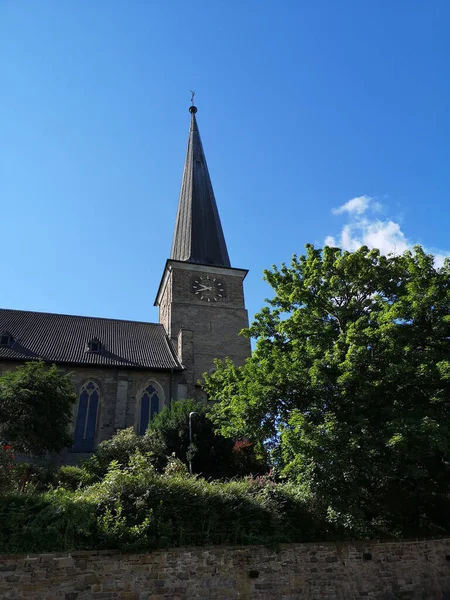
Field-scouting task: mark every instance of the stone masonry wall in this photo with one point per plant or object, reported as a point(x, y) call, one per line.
point(350, 571)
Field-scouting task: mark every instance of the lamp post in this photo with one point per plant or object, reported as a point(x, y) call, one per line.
point(190, 441)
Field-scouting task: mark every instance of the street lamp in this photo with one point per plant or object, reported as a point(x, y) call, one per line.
point(190, 441)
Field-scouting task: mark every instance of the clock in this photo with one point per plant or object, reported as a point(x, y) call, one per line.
point(208, 288)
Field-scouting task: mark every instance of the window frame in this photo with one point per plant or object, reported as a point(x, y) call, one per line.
point(87, 444)
point(158, 390)
point(94, 345)
point(5, 335)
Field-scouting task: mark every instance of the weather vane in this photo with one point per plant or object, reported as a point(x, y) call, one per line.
point(192, 97)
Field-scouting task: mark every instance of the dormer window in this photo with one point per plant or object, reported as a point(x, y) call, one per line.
point(5, 339)
point(94, 345)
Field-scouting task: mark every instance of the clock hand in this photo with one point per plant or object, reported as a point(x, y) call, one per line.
point(202, 288)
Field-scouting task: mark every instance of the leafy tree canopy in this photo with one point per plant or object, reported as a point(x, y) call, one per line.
point(36, 409)
point(350, 380)
point(212, 454)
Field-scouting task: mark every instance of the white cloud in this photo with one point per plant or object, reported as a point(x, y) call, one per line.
point(356, 206)
point(365, 229)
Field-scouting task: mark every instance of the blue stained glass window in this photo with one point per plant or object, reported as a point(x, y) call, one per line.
point(81, 421)
point(91, 422)
point(86, 422)
point(155, 406)
point(149, 407)
point(144, 414)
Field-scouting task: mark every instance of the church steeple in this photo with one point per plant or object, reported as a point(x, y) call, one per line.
point(198, 236)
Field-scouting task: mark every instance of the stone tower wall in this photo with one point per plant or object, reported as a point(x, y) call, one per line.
point(215, 324)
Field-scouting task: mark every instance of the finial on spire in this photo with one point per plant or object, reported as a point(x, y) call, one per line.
point(192, 108)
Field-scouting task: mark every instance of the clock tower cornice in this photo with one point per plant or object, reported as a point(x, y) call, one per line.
point(180, 264)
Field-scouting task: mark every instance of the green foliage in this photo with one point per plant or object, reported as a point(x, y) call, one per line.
point(36, 409)
point(7, 464)
point(168, 435)
point(212, 454)
point(175, 467)
point(350, 385)
point(70, 478)
point(52, 521)
point(30, 477)
point(22, 477)
point(134, 508)
point(120, 448)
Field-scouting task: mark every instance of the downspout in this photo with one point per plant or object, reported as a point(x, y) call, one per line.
point(170, 388)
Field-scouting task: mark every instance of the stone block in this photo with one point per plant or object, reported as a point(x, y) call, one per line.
point(32, 562)
point(46, 558)
point(63, 563)
point(7, 568)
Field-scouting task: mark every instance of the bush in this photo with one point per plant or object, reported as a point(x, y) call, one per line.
point(53, 521)
point(32, 478)
point(7, 464)
point(69, 477)
point(136, 509)
point(120, 448)
point(213, 455)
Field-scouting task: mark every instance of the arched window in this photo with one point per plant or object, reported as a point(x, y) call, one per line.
point(86, 423)
point(149, 407)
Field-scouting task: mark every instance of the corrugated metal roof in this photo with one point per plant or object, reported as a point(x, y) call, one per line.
point(64, 339)
point(198, 236)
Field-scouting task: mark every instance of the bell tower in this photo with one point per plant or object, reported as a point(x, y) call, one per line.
point(201, 296)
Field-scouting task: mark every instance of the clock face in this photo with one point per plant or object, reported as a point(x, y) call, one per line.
point(208, 288)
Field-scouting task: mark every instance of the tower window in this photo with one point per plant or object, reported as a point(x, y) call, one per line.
point(94, 345)
point(5, 339)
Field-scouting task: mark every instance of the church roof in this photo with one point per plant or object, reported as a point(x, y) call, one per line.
point(70, 339)
point(198, 236)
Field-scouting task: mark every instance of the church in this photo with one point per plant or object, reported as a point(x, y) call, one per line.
point(124, 372)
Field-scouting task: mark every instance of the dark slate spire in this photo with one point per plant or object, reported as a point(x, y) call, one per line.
point(198, 236)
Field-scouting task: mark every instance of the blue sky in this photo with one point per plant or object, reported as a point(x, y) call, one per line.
point(303, 107)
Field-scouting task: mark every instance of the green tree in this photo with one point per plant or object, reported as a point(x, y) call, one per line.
point(36, 409)
point(213, 455)
point(350, 383)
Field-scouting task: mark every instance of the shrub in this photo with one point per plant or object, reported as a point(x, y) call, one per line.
point(7, 464)
point(31, 477)
point(120, 448)
point(213, 455)
point(135, 509)
point(52, 521)
point(69, 477)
